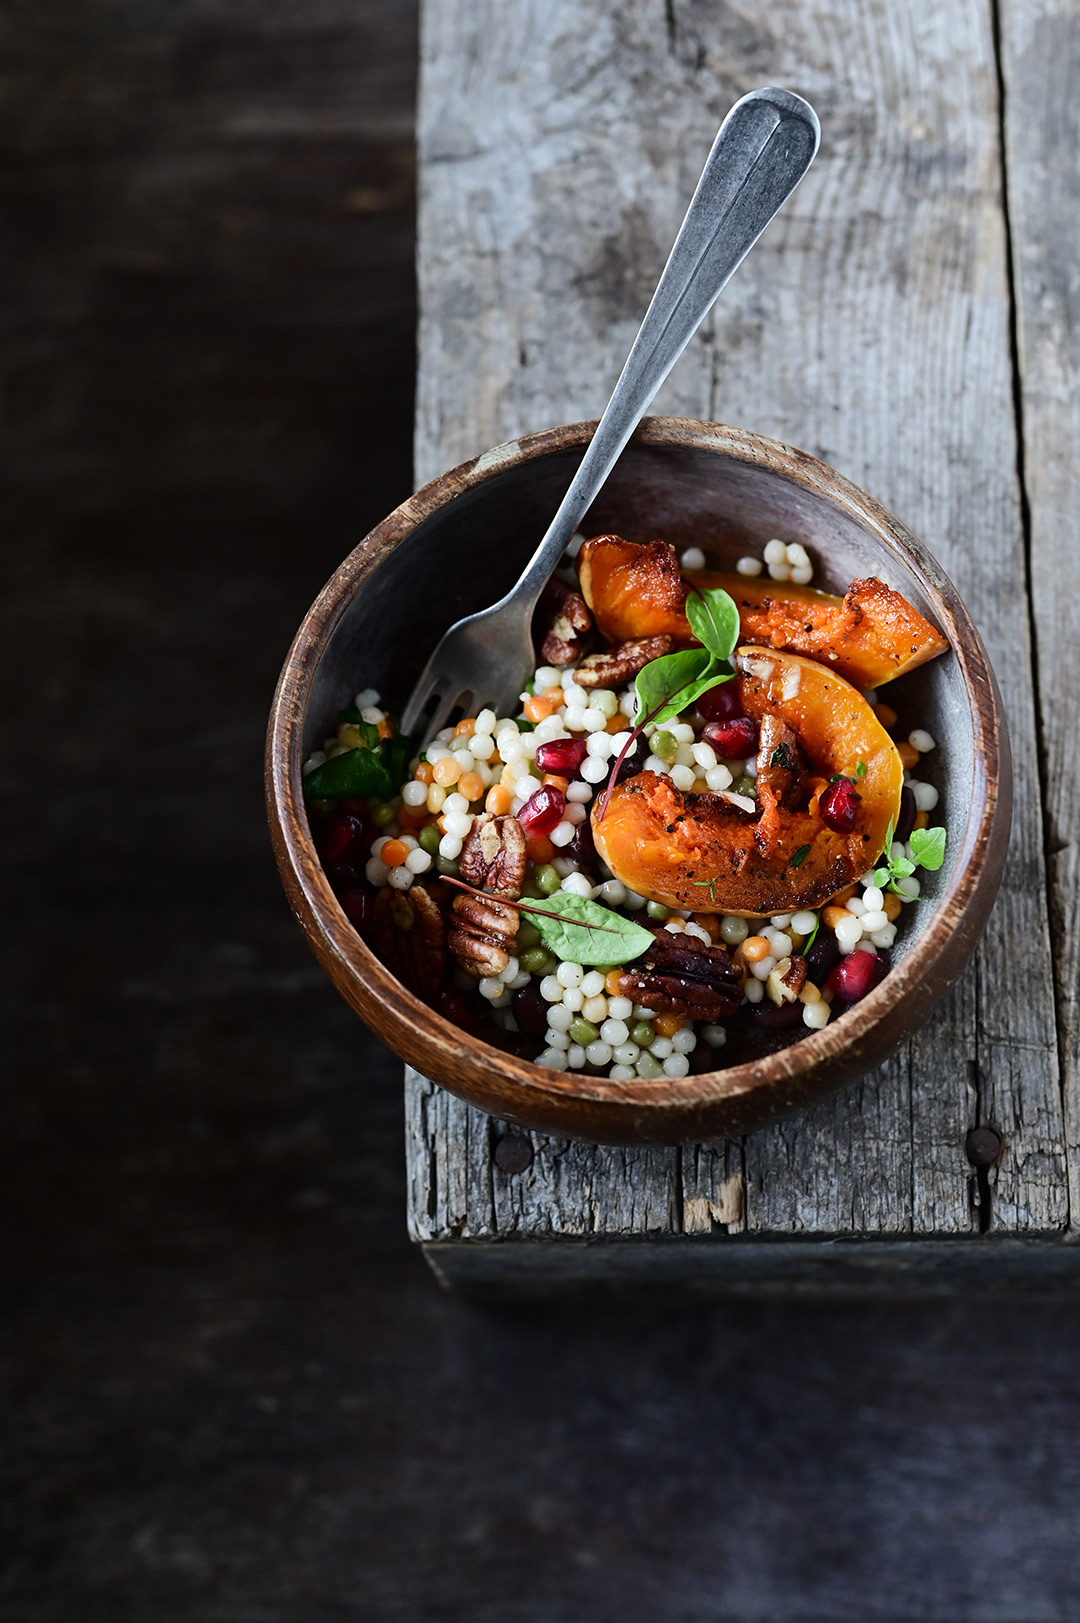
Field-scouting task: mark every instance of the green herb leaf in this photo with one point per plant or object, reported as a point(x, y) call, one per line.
point(356, 775)
point(812, 937)
point(710, 883)
point(669, 685)
point(714, 620)
point(799, 856)
point(781, 757)
point(860, 769)
point(928, 847)
point(585, 932)
point(524, 725)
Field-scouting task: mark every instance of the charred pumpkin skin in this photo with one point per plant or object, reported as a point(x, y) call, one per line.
point(700, 851)
point(870, 635)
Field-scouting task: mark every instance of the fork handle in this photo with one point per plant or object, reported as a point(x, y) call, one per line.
point(762, 150)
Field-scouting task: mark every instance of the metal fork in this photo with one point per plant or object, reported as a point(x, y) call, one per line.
point(762, 150)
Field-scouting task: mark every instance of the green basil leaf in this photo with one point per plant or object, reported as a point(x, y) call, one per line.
point(902, 867)
point(881, 877)
point(585, 932)
point(714, 620)
point(356, 775)
point(367, 729)
point(928, 847)
point(396, 754)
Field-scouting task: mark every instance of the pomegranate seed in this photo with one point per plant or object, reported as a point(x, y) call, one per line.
point(356, 903)
point(734, 739)
point(457, 1007)
point(776, 1017)
point(908, 812)
point(531, 1010)
point(563, 756)
point(542, 812)
point(339, 835)
point(839, 806)
point(856, 975)
point(721, 704)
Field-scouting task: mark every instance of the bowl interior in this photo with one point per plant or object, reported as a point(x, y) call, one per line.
point(715, 496)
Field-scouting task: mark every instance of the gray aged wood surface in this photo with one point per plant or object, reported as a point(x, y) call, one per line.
point(872, 326)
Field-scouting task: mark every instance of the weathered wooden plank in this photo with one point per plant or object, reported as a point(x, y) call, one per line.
point(871, 326)
point(1040, 42)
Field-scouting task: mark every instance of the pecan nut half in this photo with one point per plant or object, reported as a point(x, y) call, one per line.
point(621, 664)
point(680, 975)
point(483, 934)
point(787, 979)
point(408, 933)
point(568, 622)
point(493, 856)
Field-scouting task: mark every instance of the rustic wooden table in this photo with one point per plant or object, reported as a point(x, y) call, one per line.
point(912, 319)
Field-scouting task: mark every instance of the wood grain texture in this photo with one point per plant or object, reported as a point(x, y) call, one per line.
point(871, 326)
point(1040, 45)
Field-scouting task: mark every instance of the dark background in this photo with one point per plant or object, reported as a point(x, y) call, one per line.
point(233, 1391)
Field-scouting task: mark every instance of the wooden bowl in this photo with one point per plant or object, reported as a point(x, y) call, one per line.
point(456, 546)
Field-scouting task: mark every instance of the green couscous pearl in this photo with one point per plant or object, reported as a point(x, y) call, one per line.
point(745, 786)
point(531, 891)
point(649, 1067)
point(584, 1032)
point(383, 813)
point(528, 935)
point(546, 879)
point(643, 1033)
point(447, 866)
point(658, 910)
point(665, 746)
point(429, 838)
point(537, 960)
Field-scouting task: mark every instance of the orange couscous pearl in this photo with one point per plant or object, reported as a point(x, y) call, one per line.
point(668, 1024)
point(891, 906)
point(394, 853)
point(465, 728)
point(412, 816)
point(385, 729)
point(755, 948)
point(510, 775)
point(909, 755)
point(498, 800)
point(921, 820)
point(551, 780)
point(447, 771)
point(707, 921)
point(885, 714)
point(425, 772)
point(471, 786)
point(540, 848)
point(540, 705)
point(611, 982)
point(616, 723)
point(833, 915)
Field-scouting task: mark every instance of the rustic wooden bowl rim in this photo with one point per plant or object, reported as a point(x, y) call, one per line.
point(334, 938)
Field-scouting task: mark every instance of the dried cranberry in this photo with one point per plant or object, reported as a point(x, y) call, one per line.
point(356, 903)
point(773, 1017)
point(542, 812)
point(905, 822)
point(634, 761)
point(562, 756)
point(703, 1058)
point(856, 975)
point(531, 1010)
point(734, 739)
point(721, 704)
point(338, 835)
point(528, 1048)
point(581, 847)
point(839, 805)
point(821, 958)
point(458, 1007)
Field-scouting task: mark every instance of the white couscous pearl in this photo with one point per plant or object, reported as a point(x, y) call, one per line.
point(849, 933)
point(816, 1015)
point(763, 968)
point(526, 786)
point(681, 732)
point(613, 893)
point(626, 1054)
point(797, 555)
point(715, 1036)
point(803, 922)
point(559, 1017)
point(718, 778)
point(599, 745)
point(621, 1073)
point(684, 1041)
point(776, 552)
point(692, 558)
point(683, 778)
point(677, 1065)
point(551, 1060)
point(572, 999)
point(704, 755)
point(458, 824)
point(926, 796)
point(873, 920)
point(575, 813)
point(872, 898)
point(753, 991)
point(655, 764)
point(579, 794)
point(748, 566)
point(856, 906)
point(562, 833)
point(921, 740)
point(780, 945)
point(578, 885)
point(551, 989)
point(908, 888)
point(885, 936)
point(376, 872)
point(802, 575)
point(598, 1053)
point(615, 1032)
point(418, 861)
point(482, 746)
point(414, 794)
point(660, 1047)
point(400, 878)
point(595, 1010)
point(575, 1058)
point(592, 984)
point(557, 1038)
point(733, 930)
point(511, 972)
point(620, 1008)
point(551, 727)
point(594, 770)
point(450, 847)
point(546, 677)
point(366, 697)
point(490, 987)
point(569, 974)
point(594, 720)
point(606, 702)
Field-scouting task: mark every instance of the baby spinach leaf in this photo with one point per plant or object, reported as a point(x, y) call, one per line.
point(714, 620)
point(671, 684)
point(584, 932)
point(356, 775)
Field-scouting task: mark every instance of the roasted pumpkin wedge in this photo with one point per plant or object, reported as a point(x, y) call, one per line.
point(711, 854)
point(870, 635)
